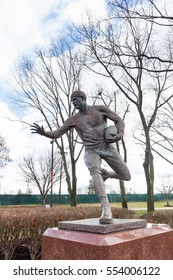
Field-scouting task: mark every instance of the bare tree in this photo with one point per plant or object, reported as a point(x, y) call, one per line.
point(4, 152)
point(163, 129)
point(37, 169)
point(149, 10)
point(121, 182)
point(166, 189)
point(45, 86)
point(118, 49)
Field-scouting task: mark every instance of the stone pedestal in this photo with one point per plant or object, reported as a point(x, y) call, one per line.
point(146, 242)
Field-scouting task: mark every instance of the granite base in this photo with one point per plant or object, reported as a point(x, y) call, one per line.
point(93, 225)
point(153, 242)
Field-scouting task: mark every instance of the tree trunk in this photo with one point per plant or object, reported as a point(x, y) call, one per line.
point(123, 194)
point(43, 197)
point(149, 176)
point(73, 198)
point(121, 182)
point(167, 203)
point(74, 185)
point(65, 165)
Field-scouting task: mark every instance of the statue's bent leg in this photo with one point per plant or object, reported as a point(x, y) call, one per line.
point(93, 162)
point(115, 161)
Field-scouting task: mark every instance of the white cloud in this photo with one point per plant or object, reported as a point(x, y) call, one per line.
point(21, 27)
point(25, 23)
point(77, 11)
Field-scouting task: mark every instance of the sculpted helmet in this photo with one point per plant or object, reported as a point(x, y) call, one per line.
point(78, 93)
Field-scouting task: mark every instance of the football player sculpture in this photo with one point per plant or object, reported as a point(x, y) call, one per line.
point(90, 124)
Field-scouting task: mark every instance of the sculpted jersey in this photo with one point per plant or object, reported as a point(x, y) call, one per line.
point(90, 125)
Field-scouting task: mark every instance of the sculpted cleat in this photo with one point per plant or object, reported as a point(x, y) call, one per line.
point(105, 174)
point(105, 221)
point(106, 217)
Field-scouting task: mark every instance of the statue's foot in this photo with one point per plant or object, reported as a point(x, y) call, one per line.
point(106, 217)
point(105, 174)
point(105, 221)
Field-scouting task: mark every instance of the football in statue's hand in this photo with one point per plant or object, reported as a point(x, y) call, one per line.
point(111, 134)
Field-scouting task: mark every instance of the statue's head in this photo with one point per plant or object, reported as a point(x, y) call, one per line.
point(78, 93)
point(78, 98)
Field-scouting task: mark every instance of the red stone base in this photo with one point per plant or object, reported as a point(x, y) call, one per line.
point(154, 242)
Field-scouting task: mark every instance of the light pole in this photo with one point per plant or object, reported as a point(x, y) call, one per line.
point(60, 179)
point(51, 173)
point(27, 185)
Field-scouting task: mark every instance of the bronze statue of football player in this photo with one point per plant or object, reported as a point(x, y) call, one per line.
point(90, 122)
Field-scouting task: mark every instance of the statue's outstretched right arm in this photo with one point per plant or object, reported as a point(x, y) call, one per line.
point(35, 128)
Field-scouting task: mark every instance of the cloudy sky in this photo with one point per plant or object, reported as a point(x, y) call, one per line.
point(23, 25)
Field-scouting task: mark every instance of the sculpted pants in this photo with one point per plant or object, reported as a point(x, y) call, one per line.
point(108, 153)
point(93, 159)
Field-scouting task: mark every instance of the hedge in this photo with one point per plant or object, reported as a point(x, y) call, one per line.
point(21, 228)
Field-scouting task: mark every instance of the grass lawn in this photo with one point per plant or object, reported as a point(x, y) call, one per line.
point(138, 206)
point(141, 204)
point(131, 205)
